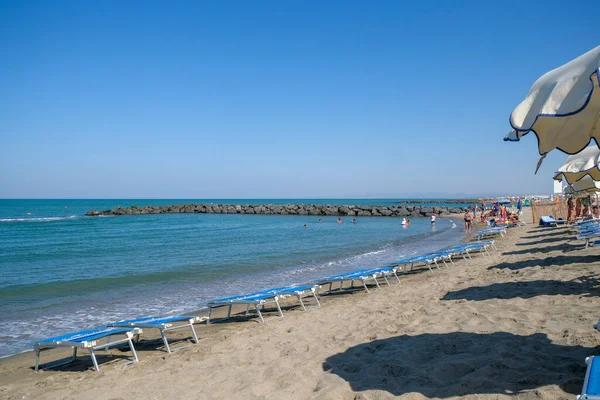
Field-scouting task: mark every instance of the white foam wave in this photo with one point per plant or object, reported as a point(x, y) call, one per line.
point(39, 219)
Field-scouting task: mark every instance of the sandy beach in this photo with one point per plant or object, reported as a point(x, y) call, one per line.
point(516, 322)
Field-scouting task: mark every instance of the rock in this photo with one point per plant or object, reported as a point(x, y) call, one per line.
point(343, 210)
point(386, 213)
point(363, 213)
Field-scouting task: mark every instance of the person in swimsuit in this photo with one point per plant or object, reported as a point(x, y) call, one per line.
point(432, 219)
point(585, 202)
point(577, 207)
point(570, 208)
point(467, 222)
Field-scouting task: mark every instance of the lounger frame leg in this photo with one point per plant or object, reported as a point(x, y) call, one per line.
point(37, 359)
point(365, 285)
point(301, 302)
point(93, 354)
point(165, 341)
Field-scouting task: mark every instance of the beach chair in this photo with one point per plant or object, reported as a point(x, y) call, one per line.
point(589, 236)
point(465, 250)
point(426, 259)
point(163, 324)
point(548, 220)
point(490, 232)
point(591, 382)
point(87, 340)
point(254, 299)
point(269, 296)
point(363, 276)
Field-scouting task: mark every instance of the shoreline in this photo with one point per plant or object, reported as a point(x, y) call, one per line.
point(451, 236)
point(475, 329)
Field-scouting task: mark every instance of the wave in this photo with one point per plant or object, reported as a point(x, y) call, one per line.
point(40, 219)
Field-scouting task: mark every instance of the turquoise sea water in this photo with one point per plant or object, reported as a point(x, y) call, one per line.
point(62, 271)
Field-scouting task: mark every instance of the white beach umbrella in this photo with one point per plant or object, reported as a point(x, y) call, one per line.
point(562, 107)
point(584, 163)
point(585, 185)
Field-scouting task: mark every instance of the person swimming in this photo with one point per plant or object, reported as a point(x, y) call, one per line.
point(320, 220)
point(339, 220)
point(354, 221)
point(304, 226)
point(404, 221)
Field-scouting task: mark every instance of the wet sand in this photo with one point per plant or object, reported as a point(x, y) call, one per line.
point(516, 322)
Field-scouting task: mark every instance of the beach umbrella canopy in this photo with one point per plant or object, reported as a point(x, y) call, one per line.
point(504, 201)
point(585, 185)
point(584, 163)
point(562, 107)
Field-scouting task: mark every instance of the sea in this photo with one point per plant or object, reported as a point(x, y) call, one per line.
point(61, 271)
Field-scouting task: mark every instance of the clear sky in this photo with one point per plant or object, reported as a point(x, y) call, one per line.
point(259, 99)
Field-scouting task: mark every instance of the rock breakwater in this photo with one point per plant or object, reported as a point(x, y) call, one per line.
point(284, 209)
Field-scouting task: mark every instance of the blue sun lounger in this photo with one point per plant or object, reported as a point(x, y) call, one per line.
point(591, 382)
point(491, 231)
point(465, 249)
point(364, 276)
point(163, 324)
point(548, 220)
point(264, 297)
point(87, 340)
point(427, 259)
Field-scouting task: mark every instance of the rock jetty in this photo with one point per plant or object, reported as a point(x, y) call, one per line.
point(439, 201)
point(284, 209)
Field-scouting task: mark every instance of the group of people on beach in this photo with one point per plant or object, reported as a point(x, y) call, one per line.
point(501, 214)
point(581, 208)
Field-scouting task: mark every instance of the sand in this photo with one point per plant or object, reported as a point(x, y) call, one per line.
point(519, 322)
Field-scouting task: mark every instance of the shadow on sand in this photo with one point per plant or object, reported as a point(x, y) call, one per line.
point(544, 240)
point(548, 233)
point(564, 247)
point(547, 262)
point(461, 363)
point(583, 286)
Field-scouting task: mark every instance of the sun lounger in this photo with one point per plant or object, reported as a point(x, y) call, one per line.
point(264, 297)
point(591, 382)
point(254, 299)
point(163, 324)
point(465, 250)
point(548, 220)
point(427, 259)
point(364, 276)
point(589, 237)
point(87, 340)
point(490, 231)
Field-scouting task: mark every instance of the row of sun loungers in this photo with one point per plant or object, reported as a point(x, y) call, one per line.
point(124, 332)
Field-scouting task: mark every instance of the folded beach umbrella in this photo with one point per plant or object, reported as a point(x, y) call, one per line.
point(585, 185)
point(562, 107)
point(584, 163)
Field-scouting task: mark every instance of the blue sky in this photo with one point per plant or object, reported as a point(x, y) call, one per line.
point(276, 98)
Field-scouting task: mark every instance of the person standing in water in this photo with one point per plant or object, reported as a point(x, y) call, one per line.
point(433, 219)
point(339, 220)
point(354, 221)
